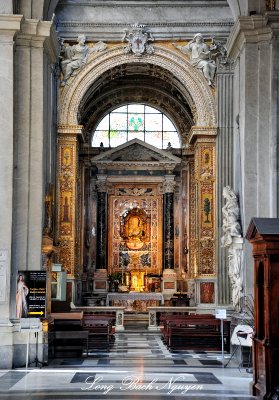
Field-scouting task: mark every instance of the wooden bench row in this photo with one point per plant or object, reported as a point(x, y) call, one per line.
point(77, 333)
point(195, 332)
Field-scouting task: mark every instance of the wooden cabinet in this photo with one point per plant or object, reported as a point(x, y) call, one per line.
point(263, 234)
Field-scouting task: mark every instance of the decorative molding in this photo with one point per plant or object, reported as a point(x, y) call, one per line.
point(205, 238)
point(176, 64)
point(202, 132)
point(137, 155)
point(150, 3)
point(10, 23)
point(253, 29)
point(67, 209)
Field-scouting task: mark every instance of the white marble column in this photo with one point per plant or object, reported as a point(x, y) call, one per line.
point(253, 45)
point(9, 25)
point(36, 49)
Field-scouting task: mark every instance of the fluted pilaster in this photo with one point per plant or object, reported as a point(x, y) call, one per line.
point(224, 167)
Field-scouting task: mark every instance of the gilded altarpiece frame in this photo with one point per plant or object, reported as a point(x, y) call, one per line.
point(149, 257)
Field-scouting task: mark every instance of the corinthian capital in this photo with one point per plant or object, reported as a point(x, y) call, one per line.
point(101, 183)
point(169, 184)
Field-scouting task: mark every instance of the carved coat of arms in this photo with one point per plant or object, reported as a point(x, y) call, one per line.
point(138, 38)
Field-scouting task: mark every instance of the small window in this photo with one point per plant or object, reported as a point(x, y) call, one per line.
point(136, 121)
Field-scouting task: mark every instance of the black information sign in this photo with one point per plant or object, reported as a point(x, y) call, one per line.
point(31, 294)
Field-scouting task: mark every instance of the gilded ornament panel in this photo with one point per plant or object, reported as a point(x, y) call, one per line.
point(66, 195)
point(192, 220)
point(206, 208)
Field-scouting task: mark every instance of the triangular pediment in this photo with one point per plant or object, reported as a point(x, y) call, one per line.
point(136, 152)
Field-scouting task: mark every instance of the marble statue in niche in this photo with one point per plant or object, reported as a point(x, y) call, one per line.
point(138, 38)
point(74, 57)
point(200, 56)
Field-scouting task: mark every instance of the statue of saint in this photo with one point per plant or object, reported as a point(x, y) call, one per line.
point(200, 56)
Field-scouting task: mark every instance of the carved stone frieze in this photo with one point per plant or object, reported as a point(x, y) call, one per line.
point(135, 191)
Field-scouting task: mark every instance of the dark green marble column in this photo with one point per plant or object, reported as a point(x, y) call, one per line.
point(101, 251)
point(168, 245)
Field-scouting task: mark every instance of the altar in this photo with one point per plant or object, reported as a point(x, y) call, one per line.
point(135, 301)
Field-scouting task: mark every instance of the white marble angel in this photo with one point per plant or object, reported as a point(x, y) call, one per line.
point(76, 56)
point(200, 56)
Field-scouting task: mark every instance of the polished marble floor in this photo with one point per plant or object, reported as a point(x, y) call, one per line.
point(137, 366)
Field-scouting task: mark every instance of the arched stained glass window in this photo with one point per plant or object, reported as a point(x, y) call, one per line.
point(136, 121)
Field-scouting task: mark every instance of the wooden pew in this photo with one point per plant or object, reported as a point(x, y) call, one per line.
point(100, 328)
point(198, 334)
point(167, 319)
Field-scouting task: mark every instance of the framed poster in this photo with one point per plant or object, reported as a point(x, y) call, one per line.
point(31, 294)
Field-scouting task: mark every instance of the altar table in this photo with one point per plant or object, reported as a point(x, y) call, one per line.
point(133, 296)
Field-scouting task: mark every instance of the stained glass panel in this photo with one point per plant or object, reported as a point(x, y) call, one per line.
point(153, 122)
point(154, 138)
point(121, 109)
point(152, 110)
point(100, 137)
point(172, 138)
point(134, 135)
point(118, 122)
point(168, 125)
point(136, 121)
point(104, 124)
point(117, 138)
point(136, 108)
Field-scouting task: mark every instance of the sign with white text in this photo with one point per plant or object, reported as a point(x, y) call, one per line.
point(221, 313)
point(31, 294)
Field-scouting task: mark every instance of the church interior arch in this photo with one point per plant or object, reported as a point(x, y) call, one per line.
point(104, 175)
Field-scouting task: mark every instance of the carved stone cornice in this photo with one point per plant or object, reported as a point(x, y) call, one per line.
point(71, 132)
point(37, 33)
point(202, 132)
point(253, 29)
point(9, 25)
